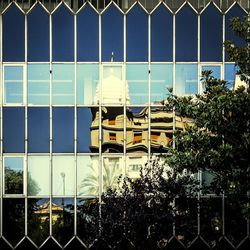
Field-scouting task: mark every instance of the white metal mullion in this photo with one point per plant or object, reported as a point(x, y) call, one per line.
point(149, 86)
point(222, 74)
point(1, 130)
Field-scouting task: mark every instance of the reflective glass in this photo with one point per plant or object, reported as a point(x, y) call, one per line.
point(38, 130)
point(13, 175)
point(13, 35)
point(13, 84)
point(87, 35)
point(63, 35)
point(63, 86)
point(137, 129)
point(215, 70)
point(38, 35)
point(87, 175)
point(111, 172)
point(161, 82)
point(38, 84)
point(186, 35)
point(13, 220)
point(38, 175)
point(87, 81)
point(63, 130)
point(137, 80)
point(211, 35)
point(13, 130)
point(112, 129)
point(137, 35)
point(230, 74)
point(63, 182)
point(134, 164)
point(186, 80)
point(112, 35)
point(161, 35)
point(88, 130)
point(161, 129)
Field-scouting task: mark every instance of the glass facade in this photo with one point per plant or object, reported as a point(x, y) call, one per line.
point(83, 84)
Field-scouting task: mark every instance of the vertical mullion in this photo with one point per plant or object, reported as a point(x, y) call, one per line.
point(223, 48)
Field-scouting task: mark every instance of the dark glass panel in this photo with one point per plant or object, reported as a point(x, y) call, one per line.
point(137, 35)
point(63, 130)
point(26, 244)
point(62, 35)
point(38, 130)
point(13, 220)
point(230, 75)
point(186, 35)
point(63, 219)
point(13, 35)
point(75, 244)
point(87, 35)
point(87, 130)
point(13, 130)
point(38, 35)
point(161, 35)
point(112, 35)
point(50, 244)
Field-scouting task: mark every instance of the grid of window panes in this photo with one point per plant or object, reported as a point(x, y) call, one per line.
point(82, 96)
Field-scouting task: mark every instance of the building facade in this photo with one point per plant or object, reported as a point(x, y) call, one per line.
point(82, 90)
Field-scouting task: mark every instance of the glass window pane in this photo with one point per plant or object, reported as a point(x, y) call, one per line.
point(137, 35)
point(161, 82)
point(38, 175)
point(137, 80)
point(112, 35)
point(137, 129)
point(38, 35)
point(13, 175)
point(87, 175)
point(87, 35)
point(230, 74)
point(63, 130)
point(88, 130)
point(13, 130)
point(13, 35)
point(87, 80)
point(186, 79)
point(38, 130)
point(186, 35)
point(38, 84)
point(63, 175)
point(161, 35)
point(63, 35)
point(112, 170)
point(134, 164)
point(215, 70)
point(13, 84)
point(63, 86)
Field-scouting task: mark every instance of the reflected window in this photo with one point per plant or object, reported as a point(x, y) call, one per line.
point(38, 84)
point(186, 51)
point(230, 75)
point(13, 130)
point(63, 86)
point(161, 82)
point(137, 35)
point(186, 81)
point(63, 35)
point(38, 175)
point(13, 84)
point(38, 34)
point(161, 35)
point(87, 35)
point(112, 129)
point(137, 80)
point(63, 182)
point(87, 175)
point(134, 164)
point(13, 175)
point(88, 129)
point(13, 35)
point(111, 172)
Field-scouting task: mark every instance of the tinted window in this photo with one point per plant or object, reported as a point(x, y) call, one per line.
point(38, 130)
point(13, 35)
point(38, 35)
point(137, 35)
point(87, 35)
point(230, 72)
point(161, 35)
point(13, 130)
point(63, 130)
